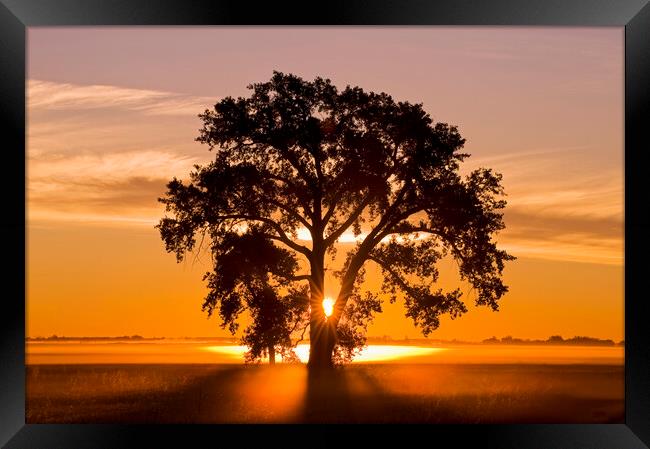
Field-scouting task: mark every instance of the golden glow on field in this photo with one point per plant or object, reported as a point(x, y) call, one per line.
point(328, 306)
point(372, 353)
point(378, 353)
point(230, 351)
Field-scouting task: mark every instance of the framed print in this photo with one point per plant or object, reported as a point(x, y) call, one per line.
point(258, 217)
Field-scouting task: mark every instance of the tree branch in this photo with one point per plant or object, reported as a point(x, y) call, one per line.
point(403, 285)
point(370, 241)
point(291, 212)
point(335, 200)
point(347, 223)
point(302, 277)
point(423, 229)
point(290, 157)
point(295, 188)
point(282, 236)
point(457, 253)
point(362, 254)
point(291, 244)
point(388, 229)
point(401, 282)
point(302, 335)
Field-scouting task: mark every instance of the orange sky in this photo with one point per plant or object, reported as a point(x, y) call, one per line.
point(112, 117)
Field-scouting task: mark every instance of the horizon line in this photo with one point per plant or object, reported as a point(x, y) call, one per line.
point(508, 339)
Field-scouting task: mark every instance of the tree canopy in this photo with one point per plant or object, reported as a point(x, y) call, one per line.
point(299, 154)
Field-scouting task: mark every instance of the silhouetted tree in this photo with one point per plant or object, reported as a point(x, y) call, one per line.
point(252, 273)
point(300, 154)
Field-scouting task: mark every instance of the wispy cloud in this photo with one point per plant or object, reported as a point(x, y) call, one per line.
point(581, 250)
point(553, 235)
point(99, 153)
point(562, 203)
point(116, 166)
point(47, 95)
point(117, 186)
point(513, 157)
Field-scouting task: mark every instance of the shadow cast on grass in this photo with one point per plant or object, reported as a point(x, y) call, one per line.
point(290, 394)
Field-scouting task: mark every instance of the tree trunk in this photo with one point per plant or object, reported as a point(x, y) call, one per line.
point(271, 355)
point(321, 347)
point(322, 334)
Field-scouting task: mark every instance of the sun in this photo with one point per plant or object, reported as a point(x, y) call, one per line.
point(328, 306)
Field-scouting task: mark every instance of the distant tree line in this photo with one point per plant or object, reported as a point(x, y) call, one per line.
point(122, 337)
point(555, 340)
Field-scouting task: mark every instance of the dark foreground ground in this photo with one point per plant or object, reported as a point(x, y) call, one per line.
point(370, 393)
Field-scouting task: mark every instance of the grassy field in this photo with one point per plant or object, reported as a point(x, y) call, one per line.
point(370, 393)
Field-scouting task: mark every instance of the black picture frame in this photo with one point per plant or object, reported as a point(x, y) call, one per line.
point(634, 15)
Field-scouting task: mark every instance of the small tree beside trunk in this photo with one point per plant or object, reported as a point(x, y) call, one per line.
point(252, 274)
